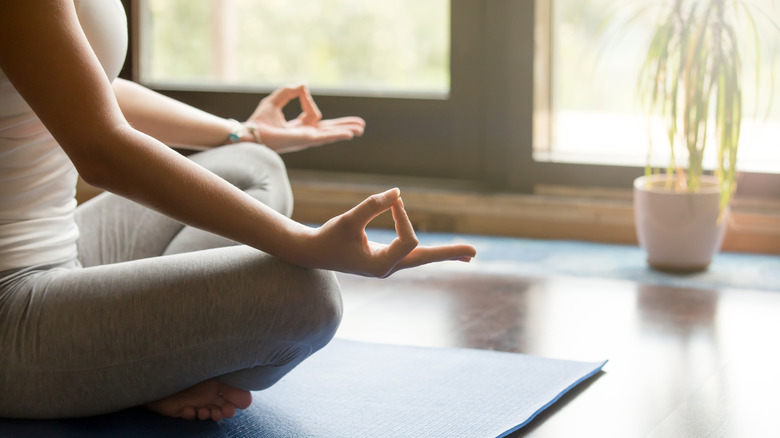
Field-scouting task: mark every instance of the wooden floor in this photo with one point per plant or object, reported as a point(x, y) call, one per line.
point(682, 362)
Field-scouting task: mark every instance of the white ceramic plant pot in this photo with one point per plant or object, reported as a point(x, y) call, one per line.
point(679, 231)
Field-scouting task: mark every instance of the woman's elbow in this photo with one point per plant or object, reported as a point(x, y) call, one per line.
point(94, 174)
point(98, 160)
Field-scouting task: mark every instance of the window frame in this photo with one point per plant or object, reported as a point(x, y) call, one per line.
point(482, 136)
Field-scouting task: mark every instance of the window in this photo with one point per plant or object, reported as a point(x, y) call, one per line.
point(378, 47)
point(596, 49)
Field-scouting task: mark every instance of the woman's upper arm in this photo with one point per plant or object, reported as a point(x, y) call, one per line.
point(46, 56)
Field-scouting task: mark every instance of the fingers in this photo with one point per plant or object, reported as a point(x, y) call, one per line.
point(406, 241)
point(403, 226)
point(373, 206)
point(282, 96)
point(283, 140)
point(311, 114)
point(351, 121)
point(324, 136)
point(344, 130)
point(423, 255)
point(355, 125)
point(385, 257)
point(403, 252)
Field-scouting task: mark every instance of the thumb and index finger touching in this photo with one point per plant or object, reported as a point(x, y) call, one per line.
point(404, 249)
point(282, 96)
point(374, 205)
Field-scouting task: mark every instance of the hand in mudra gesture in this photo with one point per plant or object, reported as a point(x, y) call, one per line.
point(342, 244)
point(304, 131)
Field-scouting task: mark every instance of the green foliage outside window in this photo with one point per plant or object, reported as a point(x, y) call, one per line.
point(380, 45)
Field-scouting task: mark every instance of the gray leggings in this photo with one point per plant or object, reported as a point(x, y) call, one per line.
point(152, 307)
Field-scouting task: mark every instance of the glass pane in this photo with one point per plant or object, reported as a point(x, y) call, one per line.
point(597, 48)
point(356, 46)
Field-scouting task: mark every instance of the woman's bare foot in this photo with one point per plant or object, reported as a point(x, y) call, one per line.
point(206, 400)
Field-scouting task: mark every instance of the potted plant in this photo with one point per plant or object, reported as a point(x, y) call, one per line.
point(691, 79)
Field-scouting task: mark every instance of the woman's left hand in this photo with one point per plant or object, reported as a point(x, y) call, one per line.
point(341, 244)
point(306, 130)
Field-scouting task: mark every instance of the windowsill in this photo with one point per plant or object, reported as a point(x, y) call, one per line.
point(623, 139)
point(553, 212)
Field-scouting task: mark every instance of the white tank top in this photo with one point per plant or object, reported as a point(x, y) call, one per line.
point(37, 179)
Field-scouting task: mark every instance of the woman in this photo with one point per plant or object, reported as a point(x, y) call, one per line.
point(141, 296)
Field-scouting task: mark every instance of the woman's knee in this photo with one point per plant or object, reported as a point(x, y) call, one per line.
point(318, 302)
point(253, 168)
point(304, 320)
point(276, 183)
point(282, 301)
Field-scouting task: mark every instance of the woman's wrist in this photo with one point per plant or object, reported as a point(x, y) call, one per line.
point(243, 132)
point(294, 243)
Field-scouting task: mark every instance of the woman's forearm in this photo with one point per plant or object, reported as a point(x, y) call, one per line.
point(168, 120)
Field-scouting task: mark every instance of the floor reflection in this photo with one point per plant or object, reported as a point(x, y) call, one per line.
point(431, 309)
point(680, 326)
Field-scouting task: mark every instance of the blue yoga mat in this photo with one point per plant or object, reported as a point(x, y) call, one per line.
point(356, 389)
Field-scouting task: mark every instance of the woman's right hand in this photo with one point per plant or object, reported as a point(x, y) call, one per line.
point(341, 243)
point(304, 131)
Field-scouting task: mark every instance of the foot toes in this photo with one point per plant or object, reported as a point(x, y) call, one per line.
point(188, 413)
point(206, 400)
point(241, 398)
point(229, 410)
